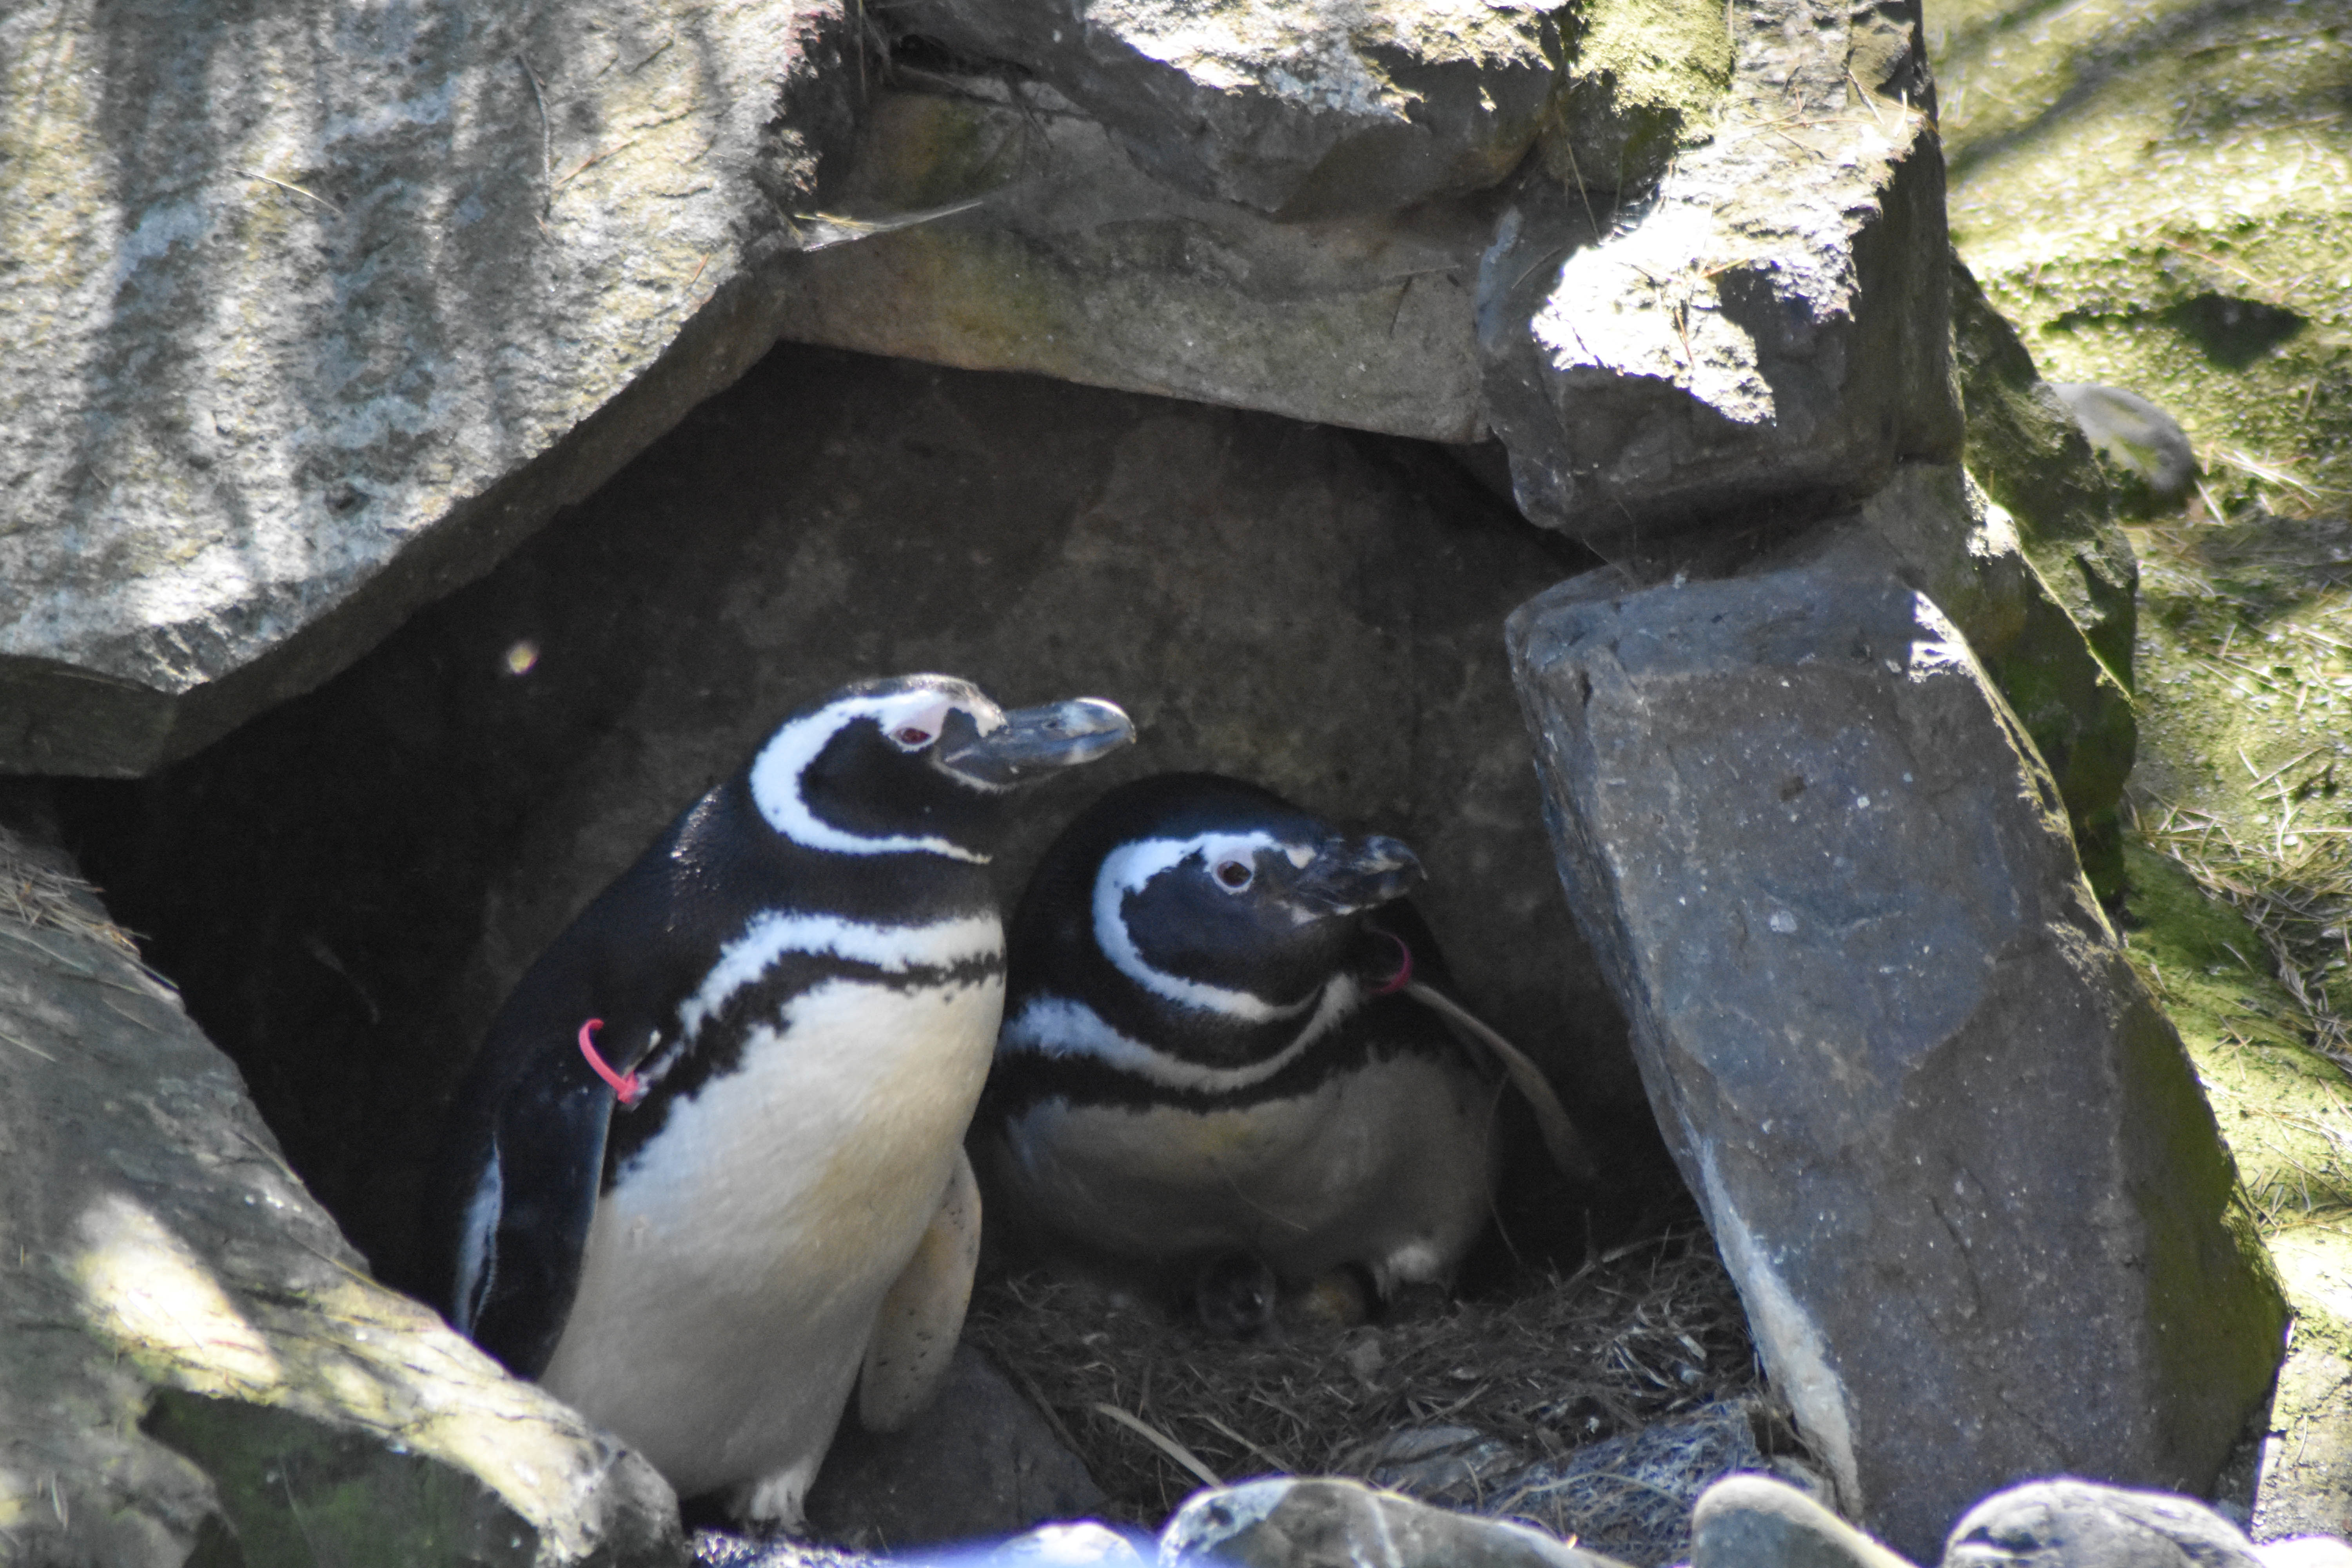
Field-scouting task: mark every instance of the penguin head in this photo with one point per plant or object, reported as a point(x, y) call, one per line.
point(917, 763)
point(1216, 901)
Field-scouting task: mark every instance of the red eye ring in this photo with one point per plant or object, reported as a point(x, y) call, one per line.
point(1235, 874)
point(911, 735)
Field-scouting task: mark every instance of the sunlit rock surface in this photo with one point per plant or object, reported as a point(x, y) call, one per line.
point(1767, 328)
point(192, 1360)
point(313, 312)
point(1298, 108)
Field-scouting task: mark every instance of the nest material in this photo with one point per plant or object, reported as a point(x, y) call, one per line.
point(37, 892)
point(1643, 1334)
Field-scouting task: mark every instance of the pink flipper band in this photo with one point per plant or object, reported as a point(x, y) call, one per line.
point(1396, 983)
point(627, 1088)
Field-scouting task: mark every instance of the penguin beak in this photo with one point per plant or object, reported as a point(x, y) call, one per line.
point(1351, 876)
point(1034, 741)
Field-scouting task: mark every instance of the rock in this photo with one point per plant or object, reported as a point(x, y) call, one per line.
point(2305, 1552)
point(2031, 455)
point(1965, 551)
point(722, 1548)
point(2306, 1452)
point(1630, 1498)
point(293, 359)
point(2079, 1524)
point(194, 1366)
point(1769, 331)
point(1083, 1545)
point(1293, 107)
point(1300, 606)
point(1754, 1522)
point(2034, 463)
point(1076, 264)
point(1952, 1153)
point(1453, 1467)
point(1643, 80)
point(2143, 443)
point(979, 1462)
point(1292, 1523)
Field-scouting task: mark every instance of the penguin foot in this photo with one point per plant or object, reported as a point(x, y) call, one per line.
point(777, 1504)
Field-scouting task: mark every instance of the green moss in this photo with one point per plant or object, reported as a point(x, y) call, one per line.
point(2277, 1101)
point(2160, 195)
point(298, 1491)
point(925, 152)
point(1645, 79)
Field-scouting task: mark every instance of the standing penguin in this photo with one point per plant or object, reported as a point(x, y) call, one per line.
point(707, 1166)
point(1215, 1056)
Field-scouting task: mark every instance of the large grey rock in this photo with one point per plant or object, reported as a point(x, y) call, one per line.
point(1286, 1522)
point(979, 1462)
point(1755, 1521)
point(1295, 106)
point(361, 876)
point(2068, 1523)
point(313, 313)
point(1768, 328)
point(1077, 264)
point(192, 1365)
point(1952, 1153)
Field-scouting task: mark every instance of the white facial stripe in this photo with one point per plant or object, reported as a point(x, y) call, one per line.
point(477, 1259)
point(894, 949)
point(1058, 1027)
point(1127, 870)
point(776, 774)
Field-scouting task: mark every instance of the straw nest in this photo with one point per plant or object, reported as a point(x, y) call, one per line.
point(1645, 1334)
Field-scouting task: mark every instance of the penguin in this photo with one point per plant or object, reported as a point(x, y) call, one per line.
point(707, 1173)
point(1217, 1055)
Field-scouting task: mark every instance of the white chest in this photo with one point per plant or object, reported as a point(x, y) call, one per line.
point(730, 1280)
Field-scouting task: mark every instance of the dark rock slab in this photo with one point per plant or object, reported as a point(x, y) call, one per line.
point(1290, 107)
point(314, 313)
point(978, 1463)
point(1951, 1150)
point(1767, 328)
point(1326, 1523)
point(2070, 1523)
point(194, 1364)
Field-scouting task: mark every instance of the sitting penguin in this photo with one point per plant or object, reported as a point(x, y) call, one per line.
point(707, 1169)
point(1216, 1055)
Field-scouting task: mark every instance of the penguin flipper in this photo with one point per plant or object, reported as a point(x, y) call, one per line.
point(527, 1223)
point(915, 1331)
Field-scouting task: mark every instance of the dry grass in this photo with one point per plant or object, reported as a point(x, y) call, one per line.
point(2294, 887)
point(2261, 611)
point(34, 893)
point(1651, 1330)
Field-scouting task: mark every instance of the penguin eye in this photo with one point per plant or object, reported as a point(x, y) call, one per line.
point(911, 735)
point(1235, 874)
